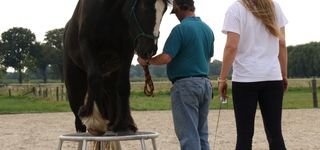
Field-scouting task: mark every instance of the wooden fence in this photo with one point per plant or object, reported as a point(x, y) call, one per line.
point(57, 91)
point(52, 91)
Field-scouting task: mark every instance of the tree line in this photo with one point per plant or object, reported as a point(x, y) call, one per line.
point(304, 60)
point(20, 51)
point(34, 60)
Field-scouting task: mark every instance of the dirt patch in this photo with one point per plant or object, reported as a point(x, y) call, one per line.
point(301, 129)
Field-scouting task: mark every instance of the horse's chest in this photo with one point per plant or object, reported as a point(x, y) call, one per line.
point(109, 62)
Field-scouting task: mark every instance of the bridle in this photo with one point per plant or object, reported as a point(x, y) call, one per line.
point(138, 25)
point(148, 87)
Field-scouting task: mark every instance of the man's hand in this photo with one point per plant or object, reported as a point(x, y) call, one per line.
point(142, 62)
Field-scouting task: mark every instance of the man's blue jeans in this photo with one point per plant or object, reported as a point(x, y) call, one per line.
point(190, 106)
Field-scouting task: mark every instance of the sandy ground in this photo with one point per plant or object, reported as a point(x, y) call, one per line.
point(301, 129)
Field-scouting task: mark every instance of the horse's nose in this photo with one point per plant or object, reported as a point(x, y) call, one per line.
point(146, 49)
point(150, 54)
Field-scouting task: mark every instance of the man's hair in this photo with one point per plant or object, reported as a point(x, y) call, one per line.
point(185, 4)
point(265, 11)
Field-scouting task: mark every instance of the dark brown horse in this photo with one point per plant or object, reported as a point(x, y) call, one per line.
point(99, 42)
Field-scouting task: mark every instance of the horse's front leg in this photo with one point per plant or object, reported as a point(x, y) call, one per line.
point(122, 119)
point(124, 96)
point(92, 113)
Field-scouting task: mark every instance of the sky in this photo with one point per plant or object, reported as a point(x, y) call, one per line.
point(41, 16)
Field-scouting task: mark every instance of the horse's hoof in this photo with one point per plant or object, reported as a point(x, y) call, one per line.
point(123, 133)
point(96, 132)
point(133, 128)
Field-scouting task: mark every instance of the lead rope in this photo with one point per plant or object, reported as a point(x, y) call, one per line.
point(216, 132)
point(148, 84)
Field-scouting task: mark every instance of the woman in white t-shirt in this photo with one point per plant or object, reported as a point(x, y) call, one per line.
point(256, 50)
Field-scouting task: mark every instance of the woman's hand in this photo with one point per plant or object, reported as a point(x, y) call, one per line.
point(285, 84)
point(222, 87)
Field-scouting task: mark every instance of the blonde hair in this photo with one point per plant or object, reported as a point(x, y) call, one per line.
point(265, 11)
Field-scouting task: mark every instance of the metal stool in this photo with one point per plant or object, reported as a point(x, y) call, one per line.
point(109, 136)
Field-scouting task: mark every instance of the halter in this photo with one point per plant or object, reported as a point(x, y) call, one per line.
point(135, 19)
point(148, 87)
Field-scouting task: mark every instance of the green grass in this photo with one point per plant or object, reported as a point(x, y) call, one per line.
point(294, 98)
point(20, 104)
point(298, 98)
point(160, 101)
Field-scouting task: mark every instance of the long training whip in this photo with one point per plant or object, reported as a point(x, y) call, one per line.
point(217, 126)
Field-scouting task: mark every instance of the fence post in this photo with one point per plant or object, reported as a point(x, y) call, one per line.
point(39, 91)
point(45, 93)
point(314, 92)
point(57, 93)
point(10, 92)
point(61, 92)
point(34, 91)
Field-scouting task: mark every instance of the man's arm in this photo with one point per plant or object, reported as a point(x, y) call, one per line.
point(160, 59)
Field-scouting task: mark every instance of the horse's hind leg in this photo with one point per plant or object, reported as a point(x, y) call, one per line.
point(76, 84)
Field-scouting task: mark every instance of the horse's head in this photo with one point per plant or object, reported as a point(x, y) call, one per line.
point(144, 22)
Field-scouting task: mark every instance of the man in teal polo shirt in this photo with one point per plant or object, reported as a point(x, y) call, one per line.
point(187, 53)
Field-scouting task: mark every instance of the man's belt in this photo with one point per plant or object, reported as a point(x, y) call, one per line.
point(179, 78)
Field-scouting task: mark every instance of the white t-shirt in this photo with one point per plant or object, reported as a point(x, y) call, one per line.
point(257, 54)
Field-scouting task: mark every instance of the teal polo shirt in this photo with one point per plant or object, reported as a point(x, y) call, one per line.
point(190, 45)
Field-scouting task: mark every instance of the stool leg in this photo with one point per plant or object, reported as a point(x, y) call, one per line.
point(154, 144)
point(143, 144)
point(117, 145)
point(60, 144)
point(102, 145)
point(80, 143)
point(84, 145)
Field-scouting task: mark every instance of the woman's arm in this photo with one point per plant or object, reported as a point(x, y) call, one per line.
point(229, 54)
point(283, 57)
